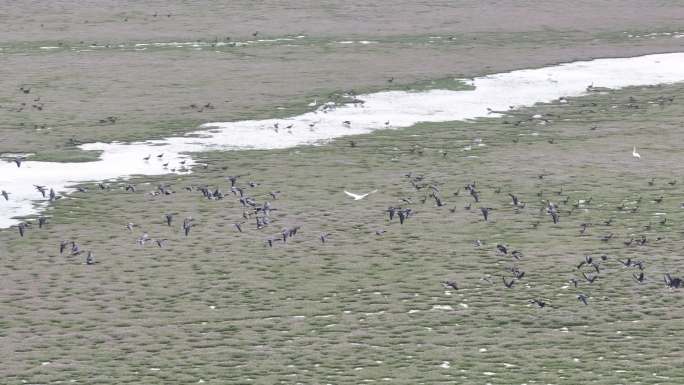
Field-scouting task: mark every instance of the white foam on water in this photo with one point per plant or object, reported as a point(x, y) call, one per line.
point(403, 109)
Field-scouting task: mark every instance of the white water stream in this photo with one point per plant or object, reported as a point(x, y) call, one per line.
point(399, 108)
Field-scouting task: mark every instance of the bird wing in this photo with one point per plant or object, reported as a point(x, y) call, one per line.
point(355, 196)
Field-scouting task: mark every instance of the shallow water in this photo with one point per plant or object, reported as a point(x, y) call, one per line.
point(381, 110)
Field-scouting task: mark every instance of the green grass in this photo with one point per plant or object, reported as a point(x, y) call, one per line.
point(345, 312)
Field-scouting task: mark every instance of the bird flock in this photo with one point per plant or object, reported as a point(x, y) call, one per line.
point(258, 212)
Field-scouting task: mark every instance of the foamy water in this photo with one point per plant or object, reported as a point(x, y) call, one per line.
point(381, 110)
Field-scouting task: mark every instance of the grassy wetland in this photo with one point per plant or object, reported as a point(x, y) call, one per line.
point(367, 305)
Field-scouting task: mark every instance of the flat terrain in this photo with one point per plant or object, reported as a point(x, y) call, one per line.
point(220, 306)
point(70, 58)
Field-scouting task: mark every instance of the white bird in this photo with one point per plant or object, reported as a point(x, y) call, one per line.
point(635, 153)
point(359, 196)
point(314, 103)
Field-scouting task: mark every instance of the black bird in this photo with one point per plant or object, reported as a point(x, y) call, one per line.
point(607, 238)
point(485, 212)
point(391, 211)
point(402, 216)
point(323, 237)
point(627, 262)
point(130, 187)
point(517, 273)
point(62, 246)
point(187, 225)
point(514, 199)
point(41, 222)
point(274, 194)
point(18, 160)
point(450, 285)
point(169, 218)
point(582, 298)
point(537, 302)
point(672, 282)
point(589, 278)
point(42, 190)
point(502, 249)
point(5, 194)
point(160, 242)
point(233, 179)
point(474, 194)
point(270, 241)
point(22, 228)
point(238, 226)
point(554, 217)
point(508, 284)
point(639, 278)
point(516, 254)
point(583, 227)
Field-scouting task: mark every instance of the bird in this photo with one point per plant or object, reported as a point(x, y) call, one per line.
point(485, 212)
point(323, 237)
point(514, 199)
point(635, 154)
point(507, 283)
point(639, 277)
point(187, 225)
point(169, 218)
point(582, 298)
point(238, 226)
point(274, 194)
point(672, 282)
point(5, 194)
point(537, 302)
point(589, 278)
point(160, 242)
point(359, 196)
point(41, 189)
point(18, 160)
point(450, 285)
point(22, 228)
point(90, 258)
point(62, 246)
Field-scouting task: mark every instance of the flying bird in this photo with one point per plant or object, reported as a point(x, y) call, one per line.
point(359, 196)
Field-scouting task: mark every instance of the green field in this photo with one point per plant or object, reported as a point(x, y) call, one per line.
point(361, 307)
point(222, 307)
